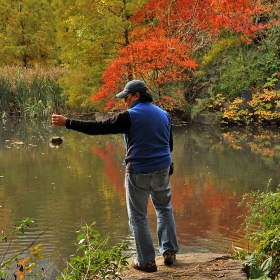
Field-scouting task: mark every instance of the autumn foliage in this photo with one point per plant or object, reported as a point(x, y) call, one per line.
point(104, 44)
point(157, 62)
point(165, 38)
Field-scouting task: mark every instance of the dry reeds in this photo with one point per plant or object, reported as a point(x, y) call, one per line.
point(30, 92)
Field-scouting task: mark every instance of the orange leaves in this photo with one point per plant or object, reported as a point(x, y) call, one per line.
point(159, 57)
point(191, 18)
point(27, 264)
point(158, 61)
point(166, 36)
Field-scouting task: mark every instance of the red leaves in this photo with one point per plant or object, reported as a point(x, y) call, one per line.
point(167, 33)
point(161, 59)
point(158, 61)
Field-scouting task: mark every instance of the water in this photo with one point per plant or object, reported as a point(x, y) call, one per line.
point(83, 181)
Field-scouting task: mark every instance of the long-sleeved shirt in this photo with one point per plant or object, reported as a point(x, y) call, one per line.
point(147, 131)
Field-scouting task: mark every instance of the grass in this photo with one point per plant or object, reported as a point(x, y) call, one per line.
point(30, 92)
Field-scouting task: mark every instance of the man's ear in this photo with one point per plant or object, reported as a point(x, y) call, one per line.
point(137, 95)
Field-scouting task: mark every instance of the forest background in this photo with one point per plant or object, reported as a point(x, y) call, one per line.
point(198, 57)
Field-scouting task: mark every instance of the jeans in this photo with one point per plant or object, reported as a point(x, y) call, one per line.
point(139, 187)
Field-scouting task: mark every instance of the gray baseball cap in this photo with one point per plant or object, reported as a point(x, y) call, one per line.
point(133, 87)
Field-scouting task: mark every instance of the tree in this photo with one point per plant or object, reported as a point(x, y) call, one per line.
point(166, 38)
point(158, 62)
point(27, 35)
point(90, 33)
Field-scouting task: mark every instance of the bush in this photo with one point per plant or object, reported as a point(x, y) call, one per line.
point(262, 227)
point(263, 108)
point(94, 262)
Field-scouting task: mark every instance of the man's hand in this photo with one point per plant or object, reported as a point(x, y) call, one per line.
point(58, 120)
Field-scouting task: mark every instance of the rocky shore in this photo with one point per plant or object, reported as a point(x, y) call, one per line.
point(194, 266)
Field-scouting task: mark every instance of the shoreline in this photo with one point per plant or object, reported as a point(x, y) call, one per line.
point(193, 266)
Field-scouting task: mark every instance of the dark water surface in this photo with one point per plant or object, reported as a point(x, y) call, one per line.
point(83, 180)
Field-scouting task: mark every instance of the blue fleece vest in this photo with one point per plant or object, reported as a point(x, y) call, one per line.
point(147, 142)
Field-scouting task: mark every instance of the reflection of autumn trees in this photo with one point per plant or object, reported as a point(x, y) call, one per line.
point(84, 178)
point(112, 170)
point(197, 209)
point(265, 143)
point(205, 186)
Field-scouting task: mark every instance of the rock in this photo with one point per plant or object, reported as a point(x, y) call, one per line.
point(194, 266)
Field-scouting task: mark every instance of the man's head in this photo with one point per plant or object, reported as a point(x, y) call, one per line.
point(131, 87)
point(133, 91)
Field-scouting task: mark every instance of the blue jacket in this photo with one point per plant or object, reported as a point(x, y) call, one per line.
point(147, 131)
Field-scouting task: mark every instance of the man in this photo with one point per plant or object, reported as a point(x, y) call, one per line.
point(148, 138)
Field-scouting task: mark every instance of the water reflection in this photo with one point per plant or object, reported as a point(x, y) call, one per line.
point(83, 180)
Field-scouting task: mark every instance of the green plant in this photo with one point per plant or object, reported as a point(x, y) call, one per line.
point(37, 109)
point(206, 105)
point(32, 92)
point(271, 82)
point(221, 48)
point(94, 262)
point(262, 227)
point(257, 271)
point(4, 95)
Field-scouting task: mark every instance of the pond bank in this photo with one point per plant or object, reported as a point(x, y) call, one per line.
point(194, 266)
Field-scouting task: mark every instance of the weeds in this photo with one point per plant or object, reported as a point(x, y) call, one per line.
point(263, 210)
point(92, 260)
point(31, 92)
point(95, 262)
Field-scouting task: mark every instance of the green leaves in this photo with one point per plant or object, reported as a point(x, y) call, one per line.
point(27, 32)
point(258, 272)
point(23, 225)
point(4, 238)
point(261, 226)
point(95, 262)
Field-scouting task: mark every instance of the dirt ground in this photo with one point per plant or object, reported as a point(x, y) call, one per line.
point(198, 266)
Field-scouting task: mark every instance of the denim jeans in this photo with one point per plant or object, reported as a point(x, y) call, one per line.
point(139, 187)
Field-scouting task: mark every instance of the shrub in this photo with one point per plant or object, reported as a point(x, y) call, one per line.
point(237, 113)
point(265, 106)
point(95, 262)
point(263, 216)
point(207, 105)
point(92, 261)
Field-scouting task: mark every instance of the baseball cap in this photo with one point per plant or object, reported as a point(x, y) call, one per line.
point(133, 87)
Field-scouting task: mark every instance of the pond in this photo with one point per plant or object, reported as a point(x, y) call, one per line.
point(83, 181)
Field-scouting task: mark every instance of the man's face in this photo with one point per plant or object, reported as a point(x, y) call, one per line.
point(129, 99)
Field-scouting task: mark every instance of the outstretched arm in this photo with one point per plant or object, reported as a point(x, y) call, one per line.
point(119, 123)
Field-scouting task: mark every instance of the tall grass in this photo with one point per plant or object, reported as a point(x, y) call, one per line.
point(31, 92)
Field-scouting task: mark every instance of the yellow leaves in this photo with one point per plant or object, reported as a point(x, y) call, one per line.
point(263, 107)
point(221, 47)
point(36, 251)
point(27, 264)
